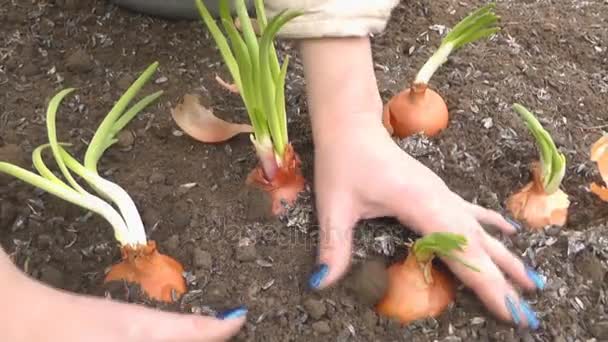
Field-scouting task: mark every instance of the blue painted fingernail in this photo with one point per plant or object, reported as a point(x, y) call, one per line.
point(512, 309)
point(514, 223)
point(317, 276)
point(233, 313)
point(533, 322)
point(535, 277)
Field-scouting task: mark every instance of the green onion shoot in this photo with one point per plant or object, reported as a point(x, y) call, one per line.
point(541, 202)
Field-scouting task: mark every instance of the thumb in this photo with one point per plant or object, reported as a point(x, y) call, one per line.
point(335, 245)
point(154, 325)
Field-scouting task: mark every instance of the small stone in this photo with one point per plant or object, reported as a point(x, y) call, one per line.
point(157, 178)
point(321, 327)
point(452, 339)
point(8, 213)
point(79, 61)
point(15, 155)
point(527, 337)
point(592, 268)
point(150, 217)
point(69, 4)
point(370, 318)
point(181, 215)
point(348, 303)
point(30, 69)
point(124, 82)
point(161, 132)
point(45, 240)
point(52, 276)
point(553, 230)
point(370, 281)
point(202, 259)
point(215, 293)
point(172, 242)
point(600, 329)
point(125, 139)
point(161, 80)
point(315, 308)
point(246, 253)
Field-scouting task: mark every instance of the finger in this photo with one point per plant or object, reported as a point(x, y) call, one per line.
point(491, 218)
point(335, 245)
point(154, 325)
point(522, 274)
point(490, 285)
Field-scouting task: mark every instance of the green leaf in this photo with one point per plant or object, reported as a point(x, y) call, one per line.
point(42, 169)
point(248, 33)
point(124, 120)
point(261, 14)
point(280, 100)
point(553, 162)
point(100, 138)
point(269, 88)
point(477, 25)
point(221, 42)
point(51, 114)
point(442, 244)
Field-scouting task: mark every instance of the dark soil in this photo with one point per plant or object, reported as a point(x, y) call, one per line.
point(551, 56)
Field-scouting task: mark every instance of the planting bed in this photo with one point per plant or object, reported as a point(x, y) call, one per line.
point(551, 56)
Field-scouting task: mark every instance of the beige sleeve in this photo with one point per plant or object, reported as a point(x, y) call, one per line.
point(333, 18)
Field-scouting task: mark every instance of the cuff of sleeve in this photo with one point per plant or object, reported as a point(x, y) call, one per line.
point(335, 18)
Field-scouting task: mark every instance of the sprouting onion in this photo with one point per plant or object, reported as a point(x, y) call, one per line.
point(260, 80)
point(417, 289)
point(420, 109)
point(541, 202)
point(477, 25)
point(157, 274)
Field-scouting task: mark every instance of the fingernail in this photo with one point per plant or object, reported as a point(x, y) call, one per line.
point(512, 309)
point(514, 223)
point(317, 276)
point(233, 313)
point(533, 322)
point(535, 277)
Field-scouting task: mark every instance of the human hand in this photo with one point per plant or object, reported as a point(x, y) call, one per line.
point(361, 174)
point(41, 313)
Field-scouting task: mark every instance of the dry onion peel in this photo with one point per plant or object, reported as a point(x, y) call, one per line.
point(158, 278)
point(201, 124)
point(417, 290)
point(260, 79)
point(541, 202)
point(599, 155)
point(419, 108)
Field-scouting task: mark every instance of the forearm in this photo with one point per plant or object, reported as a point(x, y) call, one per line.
point(9, 273)
point(340, 84)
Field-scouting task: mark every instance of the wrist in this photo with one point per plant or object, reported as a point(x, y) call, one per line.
point(341, 85)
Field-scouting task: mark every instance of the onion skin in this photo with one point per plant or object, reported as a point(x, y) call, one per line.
point(599, 155)
point(537, 209)
point(157, 274)
point(410, 297)
point(414, 110)
point(286, 184)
